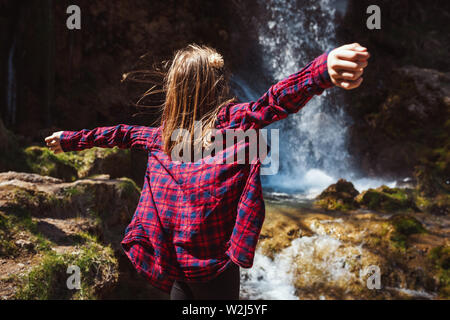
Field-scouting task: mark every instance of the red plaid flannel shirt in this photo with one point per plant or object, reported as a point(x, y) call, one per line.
point(194, 218)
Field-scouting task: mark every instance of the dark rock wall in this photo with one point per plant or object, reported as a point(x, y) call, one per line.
point(71, 79)
point(399, 123)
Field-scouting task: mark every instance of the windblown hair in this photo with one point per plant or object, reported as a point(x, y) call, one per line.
point(195, 87)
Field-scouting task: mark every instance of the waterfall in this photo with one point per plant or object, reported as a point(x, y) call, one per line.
point(313, 142)
point(11, 85)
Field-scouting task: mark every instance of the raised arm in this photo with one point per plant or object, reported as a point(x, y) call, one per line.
point(342, 67)
point(123, 136)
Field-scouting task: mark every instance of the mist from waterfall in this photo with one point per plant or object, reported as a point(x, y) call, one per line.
point(313, 143)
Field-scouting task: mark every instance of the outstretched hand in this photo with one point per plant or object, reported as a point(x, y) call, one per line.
point(346, 65)
point(54, 142)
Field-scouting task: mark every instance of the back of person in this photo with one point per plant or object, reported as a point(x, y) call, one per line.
point(201, 208)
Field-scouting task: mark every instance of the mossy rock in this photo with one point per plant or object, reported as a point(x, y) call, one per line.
point(338, 196)
point(440, 258)
point(48, 280)
point(404, 226)
point(82, 164)
point(387, 199)
point(44, 162)
point(112, 161)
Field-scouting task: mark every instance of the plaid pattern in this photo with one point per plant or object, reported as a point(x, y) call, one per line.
point(194, 218)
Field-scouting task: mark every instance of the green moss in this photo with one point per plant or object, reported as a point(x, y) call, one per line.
point(48, 280)
point(440, 258)
point(97, 160)
point(338, 196)
point(44, 162)
point(128, 187)
point(404, 226)
point(387, 199)
point(15, 223)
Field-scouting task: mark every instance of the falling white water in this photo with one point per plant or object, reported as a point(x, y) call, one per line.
point(313, 148)
point(321, 258)
point(11, 85)
point(313, 143)
point(313, 151)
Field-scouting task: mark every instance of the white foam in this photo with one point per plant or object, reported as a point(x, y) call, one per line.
point(320, 258)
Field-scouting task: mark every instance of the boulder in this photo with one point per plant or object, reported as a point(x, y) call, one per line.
point(387, 199)
point(338, 196)
point(70, 166)
point(44, 162)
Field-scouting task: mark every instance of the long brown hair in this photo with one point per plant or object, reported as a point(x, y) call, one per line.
point(195, 89)
point(194, 84)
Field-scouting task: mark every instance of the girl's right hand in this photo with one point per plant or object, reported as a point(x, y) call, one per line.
point(54, 142)
point(346, 65)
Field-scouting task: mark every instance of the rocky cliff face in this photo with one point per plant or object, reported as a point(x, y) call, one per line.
point(400, 112)
point(71, 79)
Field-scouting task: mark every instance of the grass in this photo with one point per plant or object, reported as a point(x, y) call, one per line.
point(13, 224)
point(48, 280)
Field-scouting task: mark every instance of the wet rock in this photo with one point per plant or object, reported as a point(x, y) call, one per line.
point(387, 199)
point(338, 196)
point(408, 128)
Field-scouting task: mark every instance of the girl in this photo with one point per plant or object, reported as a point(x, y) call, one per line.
point(197, 222)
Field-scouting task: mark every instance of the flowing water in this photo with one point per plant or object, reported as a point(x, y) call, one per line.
point(313, 143)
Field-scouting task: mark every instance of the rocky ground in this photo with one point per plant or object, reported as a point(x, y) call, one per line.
point(330, 246)
point(47, 224)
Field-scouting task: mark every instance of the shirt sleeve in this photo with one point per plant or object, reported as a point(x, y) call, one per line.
point(286, 97)
point(123, 136)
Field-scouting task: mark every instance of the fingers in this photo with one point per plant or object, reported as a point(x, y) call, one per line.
point(353, 55)
point(345, 75)
point(349, 65)
point(53, 142)
point(348, 85)
point(354, 46)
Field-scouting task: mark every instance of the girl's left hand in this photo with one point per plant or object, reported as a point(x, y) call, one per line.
point(54, 142)
point(346, 65)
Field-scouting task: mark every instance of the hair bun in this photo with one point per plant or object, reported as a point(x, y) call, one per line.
point(216, 60)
